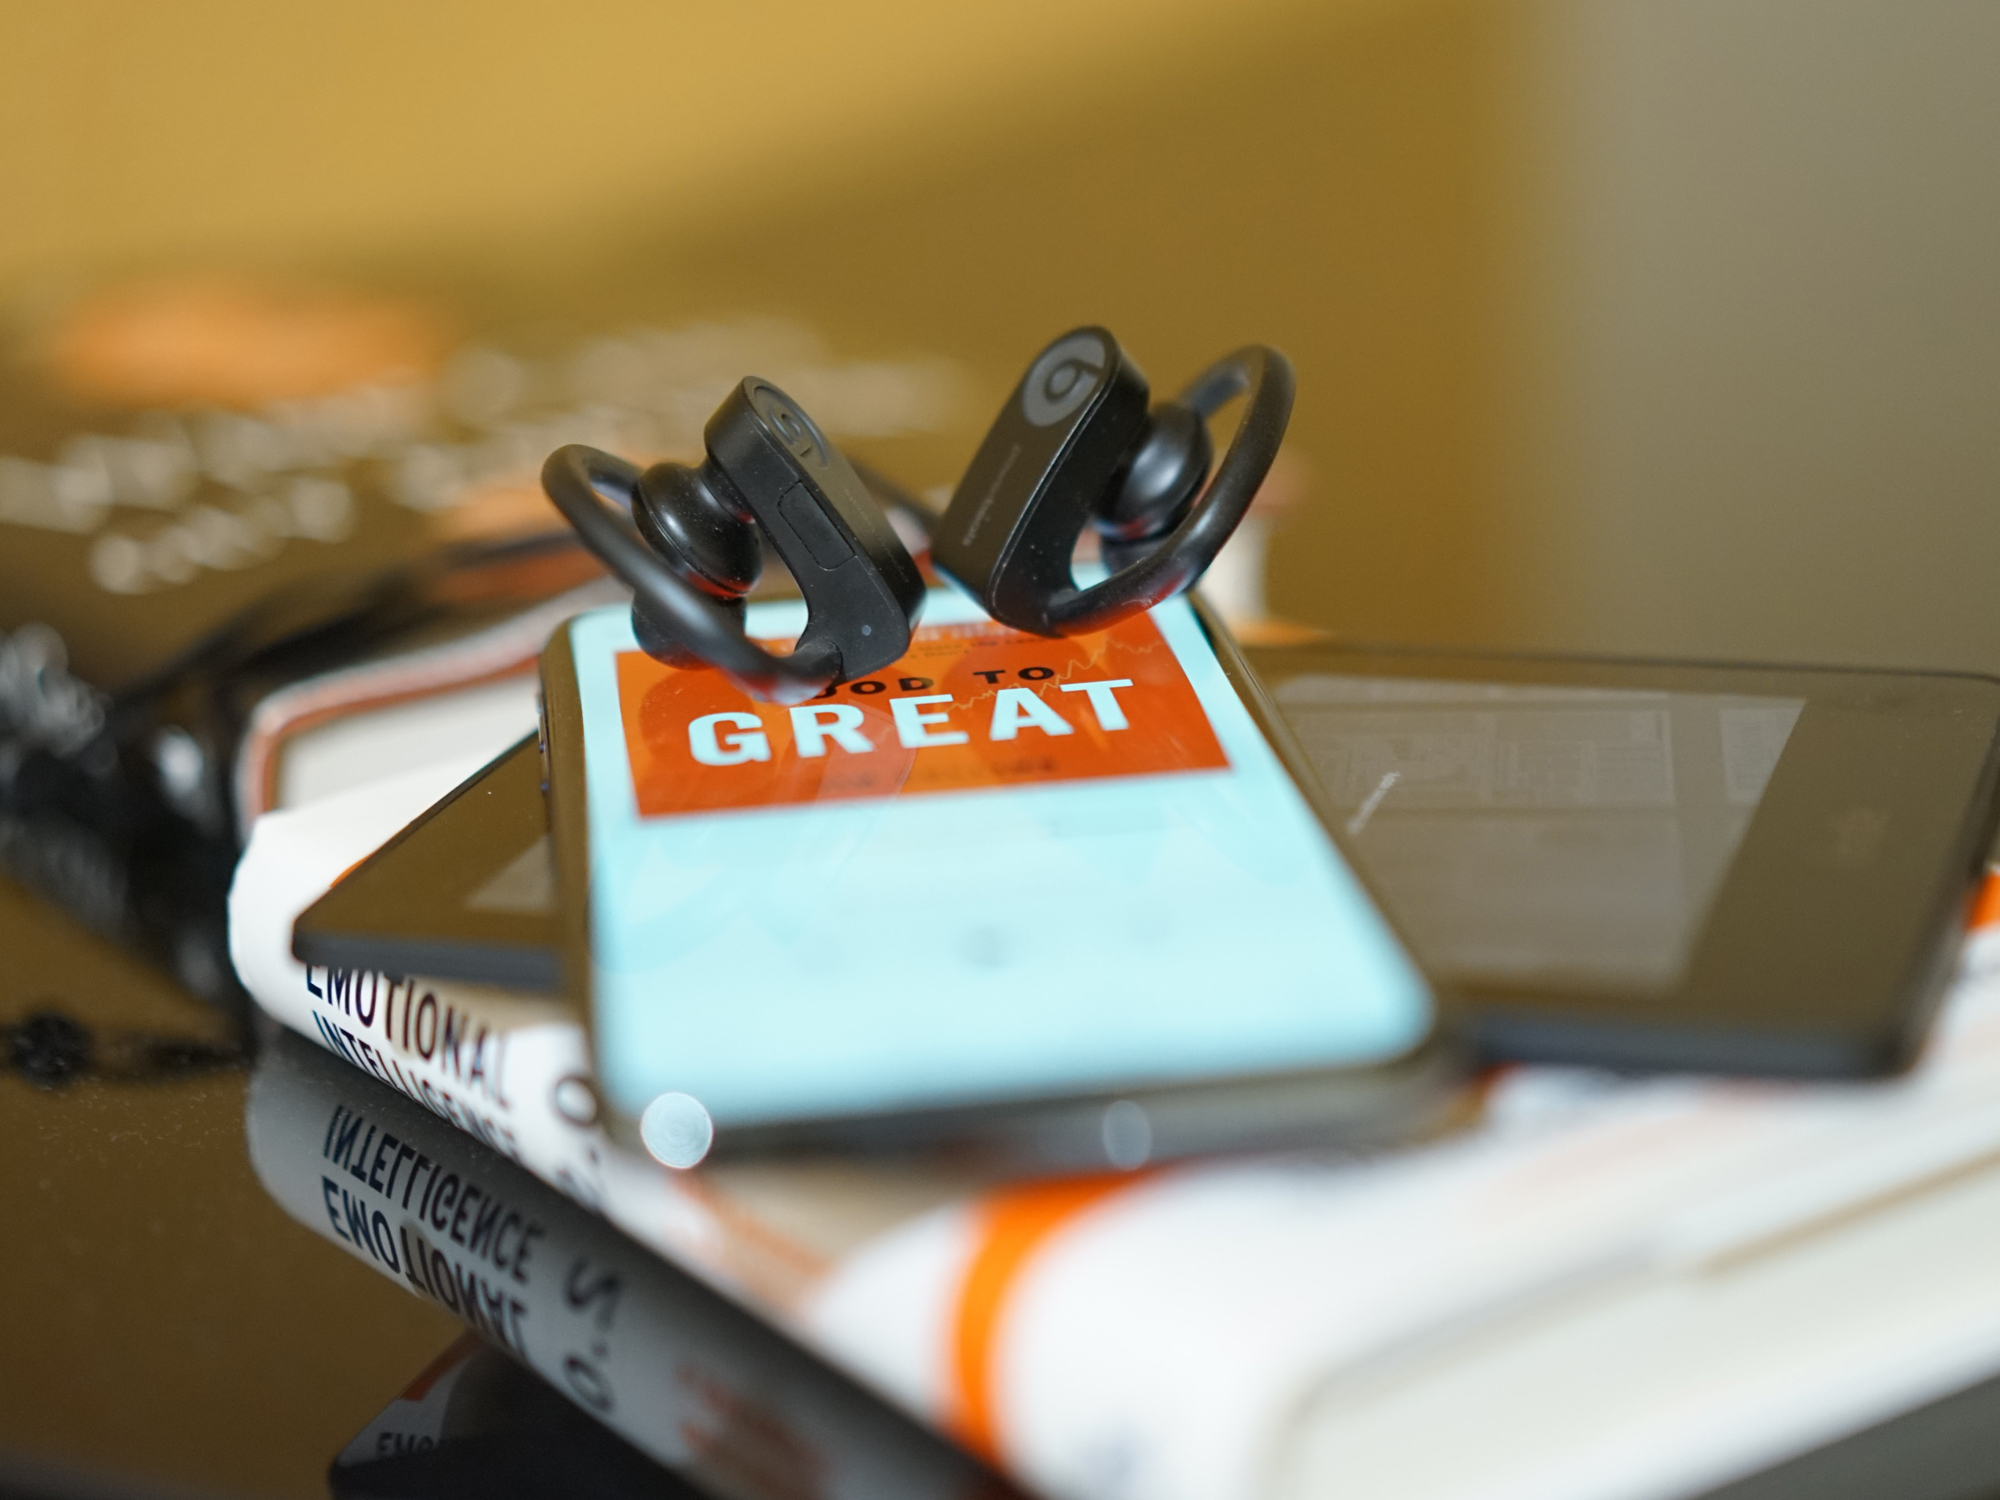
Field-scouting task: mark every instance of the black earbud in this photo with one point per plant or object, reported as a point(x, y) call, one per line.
point(1075, 446)
point(687, 541)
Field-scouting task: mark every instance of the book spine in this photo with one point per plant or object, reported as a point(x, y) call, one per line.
point(675, 1369)
point(521, 1090)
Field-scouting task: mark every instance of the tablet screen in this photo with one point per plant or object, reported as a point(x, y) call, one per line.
point(1529, 833)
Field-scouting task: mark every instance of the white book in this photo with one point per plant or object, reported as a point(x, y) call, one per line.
point(1721, 1273)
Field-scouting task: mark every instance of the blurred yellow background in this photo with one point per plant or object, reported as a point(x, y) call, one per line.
point(137, 131)
point(1621, 325)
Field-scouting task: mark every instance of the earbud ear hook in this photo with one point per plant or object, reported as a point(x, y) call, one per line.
point(596, 491)
point(687, 541)
point(1076, 445)
point(1175, 561)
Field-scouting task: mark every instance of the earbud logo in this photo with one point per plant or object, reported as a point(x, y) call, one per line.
point(795, 430)
point(1062, 379)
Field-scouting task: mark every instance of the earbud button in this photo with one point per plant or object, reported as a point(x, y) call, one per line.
point(821, 538)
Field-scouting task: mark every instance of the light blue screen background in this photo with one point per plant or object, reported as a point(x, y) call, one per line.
point(850, 957)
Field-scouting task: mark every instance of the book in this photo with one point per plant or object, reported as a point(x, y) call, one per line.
point(1249, 1327)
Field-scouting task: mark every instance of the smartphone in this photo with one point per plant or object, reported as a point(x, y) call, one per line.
point(1054, 901)
point(465, 892)
point(1651, 865)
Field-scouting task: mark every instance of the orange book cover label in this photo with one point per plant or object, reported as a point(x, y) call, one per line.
point(969, 706)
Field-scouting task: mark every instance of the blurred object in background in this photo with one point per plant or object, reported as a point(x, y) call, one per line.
point(221, 341)
point(241, 511)
point(182, 446)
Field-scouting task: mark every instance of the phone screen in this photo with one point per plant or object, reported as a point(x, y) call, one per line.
point(1537, 833)
point(1005, 868)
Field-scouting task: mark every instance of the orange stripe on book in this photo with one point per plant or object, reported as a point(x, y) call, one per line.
point(1986, 905)
point(1016, 1222)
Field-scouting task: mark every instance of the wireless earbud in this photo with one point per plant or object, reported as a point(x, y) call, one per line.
point(688, 542)
point(1076, 446)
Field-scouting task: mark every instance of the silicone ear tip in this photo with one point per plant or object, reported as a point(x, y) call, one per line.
point(685, 521)
point(1162, 477)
